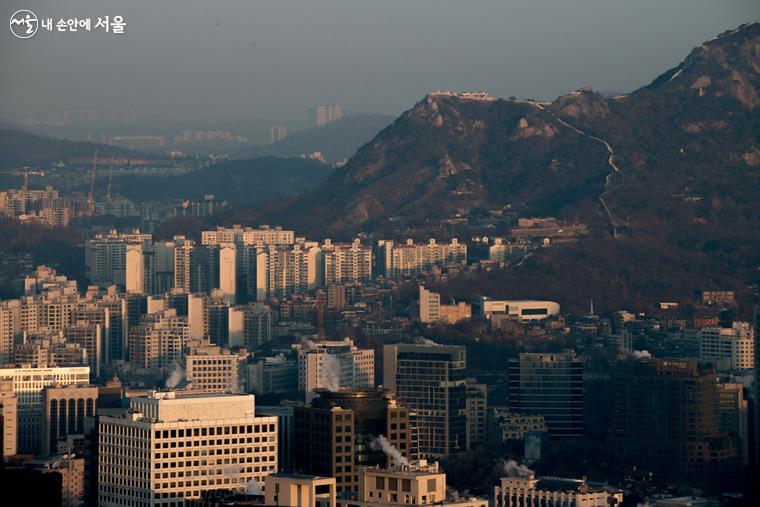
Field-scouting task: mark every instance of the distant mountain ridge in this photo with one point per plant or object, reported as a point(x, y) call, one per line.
point(673, 169)
point(241, 182)
point(19, 148)
point(337, 140)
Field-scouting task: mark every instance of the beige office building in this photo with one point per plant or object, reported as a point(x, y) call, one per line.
point(296, 490)
point(418, 483)
point(212, 369)
point(172, 447)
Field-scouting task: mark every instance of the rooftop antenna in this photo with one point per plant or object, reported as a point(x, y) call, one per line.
point(592, 307)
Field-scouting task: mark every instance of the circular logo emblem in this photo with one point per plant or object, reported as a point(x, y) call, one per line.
point(24, 24)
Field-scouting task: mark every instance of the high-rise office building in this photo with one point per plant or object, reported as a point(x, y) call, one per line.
point(334, 436)
point(431, 381)
point(477, 413)
point(322, 114)
point(665, 420)
point(733, 417)
point(550, 385)
point(28, 386)
point(170, 448)
point(277, 374)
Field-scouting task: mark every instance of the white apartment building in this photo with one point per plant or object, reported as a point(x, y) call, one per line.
point(170, 448)
point(410, 259)
point(334, 364)
point(520, 491)
point(504, 252)
point(183, 250)
point(248, 236)
point(731, 348)
point(106, 256)
point(28, 384)
point(345, 262)
point(277, 271)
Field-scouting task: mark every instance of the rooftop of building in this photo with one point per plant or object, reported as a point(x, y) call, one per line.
point(411, 469)
point(300, 477)
point(562, 484)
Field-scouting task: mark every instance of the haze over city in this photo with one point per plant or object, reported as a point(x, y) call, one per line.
point(267, 61)
point(380, 253)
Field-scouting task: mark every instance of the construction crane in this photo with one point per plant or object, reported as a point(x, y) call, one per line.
point(23, 171)
point(91, 194)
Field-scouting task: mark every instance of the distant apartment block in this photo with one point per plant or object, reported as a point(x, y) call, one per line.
point(277, 133)
point(323, 114)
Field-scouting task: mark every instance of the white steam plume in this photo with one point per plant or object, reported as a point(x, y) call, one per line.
point(514, 469)
point(253, 488)
point(330, 372)
point(425, 341)
point(381, 444)
point(176, 376)
point(307, 344)
point(641, 354)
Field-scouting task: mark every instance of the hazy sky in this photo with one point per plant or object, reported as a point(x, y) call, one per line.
point(268, 60)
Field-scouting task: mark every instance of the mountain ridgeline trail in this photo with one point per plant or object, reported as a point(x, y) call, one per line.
point(674, 167)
